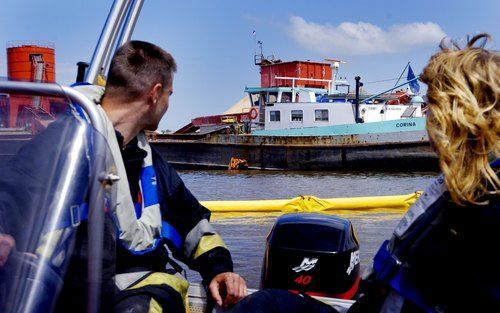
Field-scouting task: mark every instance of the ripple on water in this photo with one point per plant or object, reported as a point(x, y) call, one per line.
point(246, 236)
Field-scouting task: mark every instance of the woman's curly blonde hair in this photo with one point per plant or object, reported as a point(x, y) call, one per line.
point(464, 120)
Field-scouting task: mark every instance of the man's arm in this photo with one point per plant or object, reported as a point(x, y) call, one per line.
point(200, 246)
point(211, 258)
point(228, 288)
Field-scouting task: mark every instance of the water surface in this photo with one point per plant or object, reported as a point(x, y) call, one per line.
point(245, 236)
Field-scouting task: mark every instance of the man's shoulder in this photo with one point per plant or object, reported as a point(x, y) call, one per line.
point(165, 171)
point(159, 159)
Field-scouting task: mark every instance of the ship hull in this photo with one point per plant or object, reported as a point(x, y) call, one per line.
point(403, 150)
point(392, 151)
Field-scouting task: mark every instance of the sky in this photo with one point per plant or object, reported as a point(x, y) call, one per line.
point(213, 44)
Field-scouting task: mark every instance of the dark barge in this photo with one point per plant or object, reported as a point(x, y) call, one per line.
point(409, 151)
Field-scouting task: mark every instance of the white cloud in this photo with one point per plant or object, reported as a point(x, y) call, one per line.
point(362, 38)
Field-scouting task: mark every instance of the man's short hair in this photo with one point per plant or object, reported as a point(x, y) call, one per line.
point(136, 67)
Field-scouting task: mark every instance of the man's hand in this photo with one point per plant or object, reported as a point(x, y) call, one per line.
point(228, 288)
point(7, 244)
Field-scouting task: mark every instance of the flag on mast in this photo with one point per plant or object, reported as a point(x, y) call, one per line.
point(414, 86)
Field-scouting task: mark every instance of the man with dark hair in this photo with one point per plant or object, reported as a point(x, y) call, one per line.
point(152, 216)
point(136, 67)
point(156, 214)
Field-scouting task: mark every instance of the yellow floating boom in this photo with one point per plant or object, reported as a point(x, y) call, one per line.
point(313, 204)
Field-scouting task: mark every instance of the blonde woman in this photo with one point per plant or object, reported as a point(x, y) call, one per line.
point(444, 255)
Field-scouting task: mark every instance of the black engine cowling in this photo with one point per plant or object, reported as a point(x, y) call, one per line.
point(316, 254)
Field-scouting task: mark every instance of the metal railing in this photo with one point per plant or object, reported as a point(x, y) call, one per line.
point(293, 79)
point(96, 217)
point(38, 43)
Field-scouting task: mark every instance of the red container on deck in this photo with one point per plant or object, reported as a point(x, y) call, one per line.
point(298, 69)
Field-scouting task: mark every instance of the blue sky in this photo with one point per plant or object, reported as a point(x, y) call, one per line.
point(213, 44)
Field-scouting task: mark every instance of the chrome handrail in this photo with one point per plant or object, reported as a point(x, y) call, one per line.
point(96, 216)
point(117, 30)
point(104, 44)
point(55, 90)
point(129, 25)
point(111, 47)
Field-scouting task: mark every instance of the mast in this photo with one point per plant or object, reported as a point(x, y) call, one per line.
point(359, 84)
point(117, 30)
point(391, 89)
point(335, 64)
point(402, 73)
point(130, 21)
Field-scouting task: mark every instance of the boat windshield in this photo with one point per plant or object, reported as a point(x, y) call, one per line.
point(51, 159)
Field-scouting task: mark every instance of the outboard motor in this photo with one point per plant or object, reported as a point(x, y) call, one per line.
point(316, 254)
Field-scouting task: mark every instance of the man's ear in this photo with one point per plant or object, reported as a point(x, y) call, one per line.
point(155, 93)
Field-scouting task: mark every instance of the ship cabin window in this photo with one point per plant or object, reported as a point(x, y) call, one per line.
point(321, 115)
point(272, 97)
point(254, 99)
point(286, 97)
point(297, 115)
point(274, 116)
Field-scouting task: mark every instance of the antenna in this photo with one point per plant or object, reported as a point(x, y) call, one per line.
point(254, 35)
point(335, 67)
point(258, 58)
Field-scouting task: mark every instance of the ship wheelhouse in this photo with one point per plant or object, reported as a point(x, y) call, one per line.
point(288, 107)
point(304, 94)
point(299, 107)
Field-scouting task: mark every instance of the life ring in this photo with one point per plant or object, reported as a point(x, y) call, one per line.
point(254, 113)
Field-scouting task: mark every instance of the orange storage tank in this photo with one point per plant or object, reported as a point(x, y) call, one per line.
point(20, 55)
